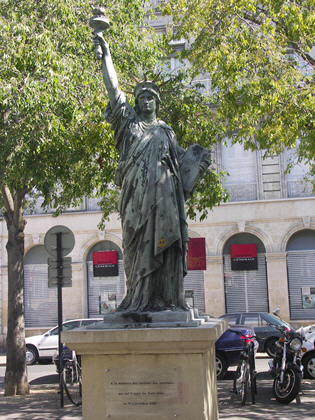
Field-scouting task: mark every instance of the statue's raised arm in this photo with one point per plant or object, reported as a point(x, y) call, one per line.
point(99, 23)
point(108, 69)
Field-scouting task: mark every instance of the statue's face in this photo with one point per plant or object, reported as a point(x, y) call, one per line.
point(146, 103)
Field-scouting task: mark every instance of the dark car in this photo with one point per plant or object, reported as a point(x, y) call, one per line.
point(262, 322)
point(228, 348)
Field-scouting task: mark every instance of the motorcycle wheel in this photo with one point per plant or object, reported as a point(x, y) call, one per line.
point(287, 391)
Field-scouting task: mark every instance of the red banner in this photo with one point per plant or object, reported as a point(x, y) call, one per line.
point(196, 255)
point(244, 257)
point(105, 264)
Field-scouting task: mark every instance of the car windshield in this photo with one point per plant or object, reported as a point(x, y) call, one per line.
point(271, 319)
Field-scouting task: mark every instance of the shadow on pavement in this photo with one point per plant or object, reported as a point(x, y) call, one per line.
point(48, 379)
point(266, 407)
point(43, 403)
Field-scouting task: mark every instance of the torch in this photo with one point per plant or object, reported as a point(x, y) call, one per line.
point(98, 22)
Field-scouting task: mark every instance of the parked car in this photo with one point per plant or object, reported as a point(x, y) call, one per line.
point(43, 346)
point(308, 346)
point(228, 348)
point(266, 334)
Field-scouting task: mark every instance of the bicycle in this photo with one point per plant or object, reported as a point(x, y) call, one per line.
point(71, 377)
point(245, 374)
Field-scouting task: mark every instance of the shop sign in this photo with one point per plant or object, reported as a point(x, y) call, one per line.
point(244, 257)
point(105, 264)
point(196, 255)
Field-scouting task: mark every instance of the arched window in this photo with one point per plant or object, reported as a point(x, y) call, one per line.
point(301, 269)
point(40, 301)
point(104, 293)
point(245, 290)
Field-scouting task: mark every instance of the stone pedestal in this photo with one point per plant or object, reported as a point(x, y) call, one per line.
point(153, 373)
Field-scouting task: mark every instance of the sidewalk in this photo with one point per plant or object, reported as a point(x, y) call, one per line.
point(43, 403)
point(266, 407)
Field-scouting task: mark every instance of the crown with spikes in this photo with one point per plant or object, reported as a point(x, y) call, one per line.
point(147, 85)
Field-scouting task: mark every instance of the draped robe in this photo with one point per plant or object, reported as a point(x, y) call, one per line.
point(152, 211)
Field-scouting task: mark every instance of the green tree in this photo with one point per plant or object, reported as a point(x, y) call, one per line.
point(258, 56)
point(54, 141)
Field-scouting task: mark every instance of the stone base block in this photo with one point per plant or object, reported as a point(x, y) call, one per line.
point(149, 374)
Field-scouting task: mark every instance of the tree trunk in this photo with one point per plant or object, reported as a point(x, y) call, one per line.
point(16, 382)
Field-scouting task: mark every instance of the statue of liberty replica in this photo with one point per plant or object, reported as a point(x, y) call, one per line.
point(155, 176)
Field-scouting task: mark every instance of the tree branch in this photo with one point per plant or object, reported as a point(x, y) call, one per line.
point(7, 198)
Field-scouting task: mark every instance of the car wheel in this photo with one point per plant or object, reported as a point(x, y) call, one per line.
point(221, 366)
point(31, 355)
point(270, 347)
point(309, 365)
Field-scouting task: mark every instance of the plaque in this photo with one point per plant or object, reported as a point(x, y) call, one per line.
point(139, 392)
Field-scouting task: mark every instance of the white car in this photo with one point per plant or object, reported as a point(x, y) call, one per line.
point(45, 345)
point(308, 358)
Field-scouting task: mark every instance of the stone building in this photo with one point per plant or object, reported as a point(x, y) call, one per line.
point(268, 208)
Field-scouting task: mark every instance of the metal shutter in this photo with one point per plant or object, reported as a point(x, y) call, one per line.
point(246, 290)
point(301, 269)
point(97, 286)
point(40, 302)
point(194, 280)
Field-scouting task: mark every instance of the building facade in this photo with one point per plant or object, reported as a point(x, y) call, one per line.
point(268, 208)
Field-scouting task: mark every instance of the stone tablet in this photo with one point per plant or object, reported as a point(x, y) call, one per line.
point(130, 392)
point(195, 160)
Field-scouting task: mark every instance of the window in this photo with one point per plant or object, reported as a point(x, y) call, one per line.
point(242, 169)
point(54, 331)
point(233, 319)
point(252, 320)
point(66, 326)
point(90, 321)
point(70, 325)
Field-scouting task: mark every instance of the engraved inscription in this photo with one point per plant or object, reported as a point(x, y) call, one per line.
point(138, 391)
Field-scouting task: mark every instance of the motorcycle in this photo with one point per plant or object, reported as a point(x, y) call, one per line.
point(286, 367)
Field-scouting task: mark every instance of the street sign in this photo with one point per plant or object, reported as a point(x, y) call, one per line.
point(59, 241)
point(50, 240)
point(53, 272)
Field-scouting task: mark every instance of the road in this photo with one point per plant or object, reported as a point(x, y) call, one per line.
point(39, 373)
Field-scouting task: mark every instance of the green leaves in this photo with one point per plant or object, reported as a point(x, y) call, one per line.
point(53, 136)
point(257, 55)
point(49, 88)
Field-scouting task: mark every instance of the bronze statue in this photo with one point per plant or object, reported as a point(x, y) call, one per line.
point(155, 176)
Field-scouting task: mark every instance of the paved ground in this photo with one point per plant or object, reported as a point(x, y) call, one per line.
point(43, 403)
point(266, 406)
